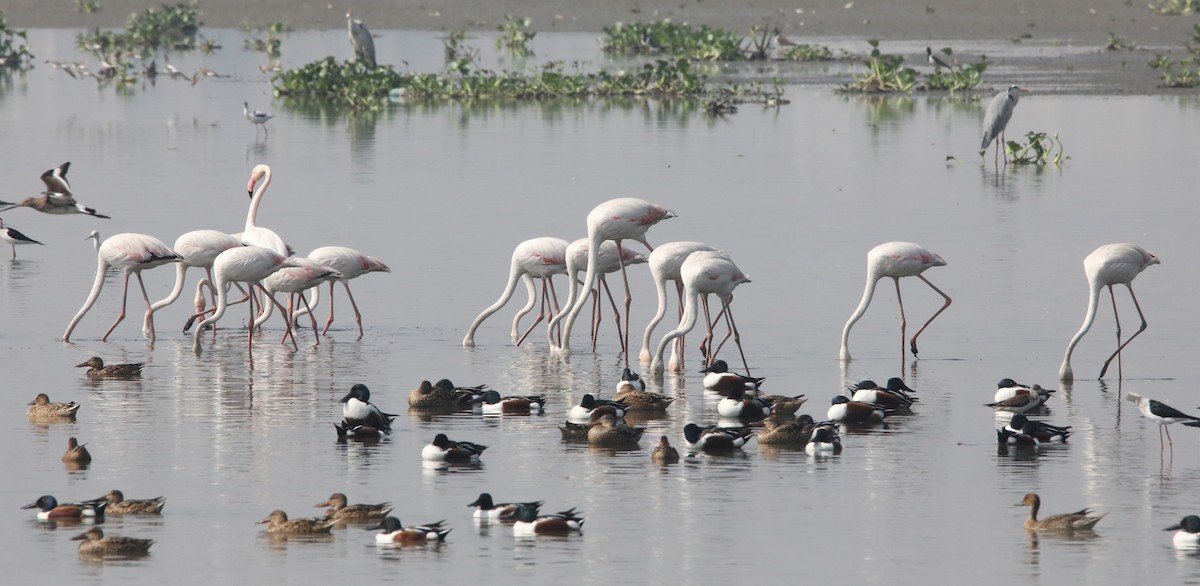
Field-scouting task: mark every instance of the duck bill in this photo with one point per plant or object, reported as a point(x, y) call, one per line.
point(348, 396)
point(263, 521)
point(33, 505)
point(80, 537)
point(323, 504)
point(82, 364)
point(1175, 527)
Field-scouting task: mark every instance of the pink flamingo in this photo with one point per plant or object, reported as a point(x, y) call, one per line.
point(705, 272)
point(1111, 264)
point(539, 258)
point(255, 234)
point(606, 263)
point(296, 279)
point(665, 263)
point(351, 264)
point(132, 253)
point(895, 260)
point(245, 264)
point(619, 219)
point(198, 248)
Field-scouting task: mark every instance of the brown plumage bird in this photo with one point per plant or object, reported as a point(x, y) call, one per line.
point(76, 453)
point(97, 369)
point(1080, 520)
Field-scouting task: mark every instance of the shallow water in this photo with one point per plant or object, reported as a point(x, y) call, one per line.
point(442, 194)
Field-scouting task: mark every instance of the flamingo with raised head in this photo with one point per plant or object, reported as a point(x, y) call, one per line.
point(625, 218)
point(244, 264)
point(351, 264)
point(606, 263)
point(296, 279)
point(537, 258)
point(198, 248)
point(665, 262)
point(895, 260)
point(255, 234)
point(132, 253)
point(705, 272)
point(1111, 264)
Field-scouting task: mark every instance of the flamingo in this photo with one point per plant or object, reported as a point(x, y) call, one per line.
point(540, 258)
point(246, 264)
point(705, 273)
point(198, 248)
point(132, 253)
point(895, 260)
point(255, 234)
point(14, 237)
point(665, 263)
point(351, 264)
point(606, 262)
point(625, 218)
point(58, 198)
point(1111, 264)
point(292, 280)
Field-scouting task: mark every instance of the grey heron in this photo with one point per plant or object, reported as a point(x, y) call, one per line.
point(934, 60)
point(257, 117)
point(360, 39)
point(996, 118)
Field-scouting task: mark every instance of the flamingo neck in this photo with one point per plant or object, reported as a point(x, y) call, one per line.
point(252, 214)
point(97, 285)
point(1088, 319)
point(868, 293)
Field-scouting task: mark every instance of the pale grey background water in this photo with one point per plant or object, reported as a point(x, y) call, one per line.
point(442, 194)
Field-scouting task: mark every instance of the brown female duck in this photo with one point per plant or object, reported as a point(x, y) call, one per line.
point(341, 511)
point(76, 453)
point(42, 408)
point(279, 524)
point(1080, 520)
point(95, 543)
point(97, 369)
point(119, 505)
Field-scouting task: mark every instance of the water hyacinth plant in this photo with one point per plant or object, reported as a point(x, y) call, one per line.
point(1040, 149)
point(166, 27)
point(13, 53)
point(960, 78)
point(515, 35)
point(885, 73)
point(673, 39)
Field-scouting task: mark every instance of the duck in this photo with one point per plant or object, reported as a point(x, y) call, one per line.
point(784, 430)
point(825, 439)
point(394, 532)
point(718, 378)
point(740, 406)
point(784, 404)
point(643, 401)
point(97, 369)
point(279, 524)
point(341, 511)
point(1187, 532)
point(486, 510)
point(610, 432)
point(1017, 398)
point(846, 411)
point(444, 450)
point(1007, 436)
point(715, 439)
point(95, 543)
point(77, 453)
point(443, 395)
point(492, 402)
point(361, 432)
point(665, 453)
point(358, 410)
point(467, 395)
point(574, 432)
point(42, 408)
point(1080, 520)
point(49, 509)
point(589, 405)
point(118, 505)
point(1044, 432)
point(868, 392)
point(529, 522)
point(630, 380)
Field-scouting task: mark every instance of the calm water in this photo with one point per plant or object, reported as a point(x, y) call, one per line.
point(442, 194)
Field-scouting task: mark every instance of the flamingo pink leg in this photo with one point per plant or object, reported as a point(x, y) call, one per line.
point(913, 342)
point(541, 313)
point(1121, 346)
point(617, 316)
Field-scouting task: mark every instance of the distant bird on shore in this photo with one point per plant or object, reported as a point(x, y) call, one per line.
point(58, 199)
point(256, 117)
point(14, 237)
point(934, 60)
point(996, 119)
point(360, 40)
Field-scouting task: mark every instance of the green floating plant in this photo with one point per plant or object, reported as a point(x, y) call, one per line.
point(674, 39)
point(885, 73)
point(1040, 149)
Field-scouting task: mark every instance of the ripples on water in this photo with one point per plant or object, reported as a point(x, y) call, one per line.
point(442, 194)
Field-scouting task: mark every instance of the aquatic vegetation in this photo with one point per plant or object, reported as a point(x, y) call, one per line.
point(806, 52)
point(515, 35)
point(456, 47)
point(352, 83)
point(885, 73)
point(270, 45)
point(1174, 7)
point(12, 52)
point(1178, 74)
point(87, 6)
point(1119, 43)
point(166, 27)
point(963, 77)
point(675, 40)
point(1040, 149)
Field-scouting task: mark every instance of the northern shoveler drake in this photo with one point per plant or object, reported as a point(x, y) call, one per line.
point(486, 510)
point(785, 405)
point(631, 381)
point(718, 378)
point(664, 453)
point(396, 533)
point(443, 395)
point(529, 522)
point(1006, 436)
point(50, 510)
point(643, 401)
point(825, 439)
point(358, 410)
point(492, 402)
point(868, 392)
point(1163, 415)
point(1044, 432)
point(1080, 520)
point(95, 543)
point(96, 369)
point(1018, 398)
point(740, 406)
point(588, 405)
point(444, 450)
point(279, 524)
point(846, 411)
point(785, 430)
point(341, 511)
point(611, 432)
point(42, 408)
point(715, 439)
point(574, 432)
point(361, 432)
point(1187, 532)
point(76, 453)
point(118, 505)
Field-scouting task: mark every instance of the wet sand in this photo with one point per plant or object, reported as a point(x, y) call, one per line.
point(961, 24)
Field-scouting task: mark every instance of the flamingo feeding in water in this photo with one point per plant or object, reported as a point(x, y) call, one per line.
point(244, 264)
point(606, 263)
point(895, 260)
point(296, 279)
point(351, 264)
point(665, 262)
point(132, 253)
point(705, 272)
point(625, 218)
point(1111, 264)
point(537, 258)
point(198, 248)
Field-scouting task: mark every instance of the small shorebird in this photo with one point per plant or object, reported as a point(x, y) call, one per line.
point(14, 237)
point(256, 117)
point(1162, 414)
point(934, 60)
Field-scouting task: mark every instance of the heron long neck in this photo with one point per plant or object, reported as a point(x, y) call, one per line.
point(101, 268)
point(252, 214)
point(514, 274)
point(1064, 371)
point(868, 293)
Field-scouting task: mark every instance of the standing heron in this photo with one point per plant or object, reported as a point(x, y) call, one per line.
point(132, 253)
point(1111, 264)
point(539, 258)
point(57, 199)
point(257, 118)
point(935, 61)
point(360, 39)
point(705, 272)
point(996, 118)
point(14, 237)
point(895, 260)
